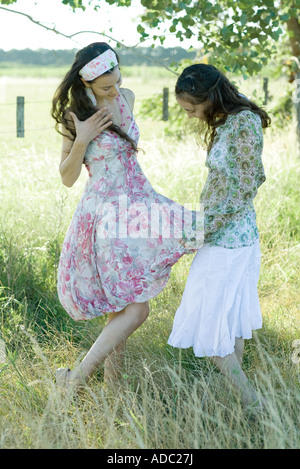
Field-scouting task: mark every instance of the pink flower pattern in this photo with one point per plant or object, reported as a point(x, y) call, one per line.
point(101, 271)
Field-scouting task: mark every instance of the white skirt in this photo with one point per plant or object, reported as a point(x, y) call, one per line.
point(220, 301)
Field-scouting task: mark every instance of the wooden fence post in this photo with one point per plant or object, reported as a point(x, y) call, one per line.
point(20, 117)
point(165, 110)
point(265, 88)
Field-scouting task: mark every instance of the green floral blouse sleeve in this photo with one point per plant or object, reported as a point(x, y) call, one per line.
point(235, 171)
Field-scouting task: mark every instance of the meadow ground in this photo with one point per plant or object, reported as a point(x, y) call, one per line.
point(167, 397)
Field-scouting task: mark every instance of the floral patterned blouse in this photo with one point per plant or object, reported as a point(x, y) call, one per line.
point(235, 174)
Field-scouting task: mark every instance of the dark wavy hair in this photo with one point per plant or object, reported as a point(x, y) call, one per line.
point(71, 94)
point(201, 82)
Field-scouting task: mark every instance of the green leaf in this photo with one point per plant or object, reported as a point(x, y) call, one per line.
point(243, 19)
point(140, 29)
point(188, 33)
point(284, 17)
point(269, 3)
point(74, 4)
point(275, 34)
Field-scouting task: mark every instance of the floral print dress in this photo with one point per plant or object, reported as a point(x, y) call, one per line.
point(114, 254)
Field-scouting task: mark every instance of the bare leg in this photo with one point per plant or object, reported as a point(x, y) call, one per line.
point(239, 349)
point(114, 362)
point(231, 368)
point(120, 326)
point(113, 365)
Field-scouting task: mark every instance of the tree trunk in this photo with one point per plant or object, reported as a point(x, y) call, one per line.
point(297, 107)
point(293, 26)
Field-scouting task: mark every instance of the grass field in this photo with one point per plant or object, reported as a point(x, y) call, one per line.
point(168, 398)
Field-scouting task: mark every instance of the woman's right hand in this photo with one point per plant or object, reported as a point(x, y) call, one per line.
point(89, 129)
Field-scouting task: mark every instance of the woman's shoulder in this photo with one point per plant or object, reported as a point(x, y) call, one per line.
point(239, 121)
point(243, 117)
point(128, 95)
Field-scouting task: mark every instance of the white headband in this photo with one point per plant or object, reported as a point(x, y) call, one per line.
point(99, 65)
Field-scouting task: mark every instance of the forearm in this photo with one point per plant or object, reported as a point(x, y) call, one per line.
point(70, 168)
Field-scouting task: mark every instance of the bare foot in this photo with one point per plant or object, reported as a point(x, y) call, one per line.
point(67, 380)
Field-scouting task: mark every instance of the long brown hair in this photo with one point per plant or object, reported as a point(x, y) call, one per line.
point(201, 82)
point(71, 94)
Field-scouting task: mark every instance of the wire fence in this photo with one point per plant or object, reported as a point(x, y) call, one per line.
point(19, 128)
point(21, 105)
point(20, 113)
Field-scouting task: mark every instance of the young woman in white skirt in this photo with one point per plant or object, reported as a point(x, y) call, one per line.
point(220, 306)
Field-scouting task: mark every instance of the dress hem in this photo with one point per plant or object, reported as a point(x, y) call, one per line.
point(211, 353)
point(87, 316)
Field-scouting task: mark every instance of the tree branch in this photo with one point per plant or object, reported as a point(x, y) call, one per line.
point(35, 21)
point(70, 36)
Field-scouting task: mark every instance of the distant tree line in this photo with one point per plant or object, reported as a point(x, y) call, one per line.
point(134, 56)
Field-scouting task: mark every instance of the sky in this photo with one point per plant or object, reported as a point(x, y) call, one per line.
point(18, 32)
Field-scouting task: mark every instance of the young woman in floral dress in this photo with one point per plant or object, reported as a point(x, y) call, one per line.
point(115, 256)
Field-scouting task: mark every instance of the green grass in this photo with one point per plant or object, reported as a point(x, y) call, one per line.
point(168, 398)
